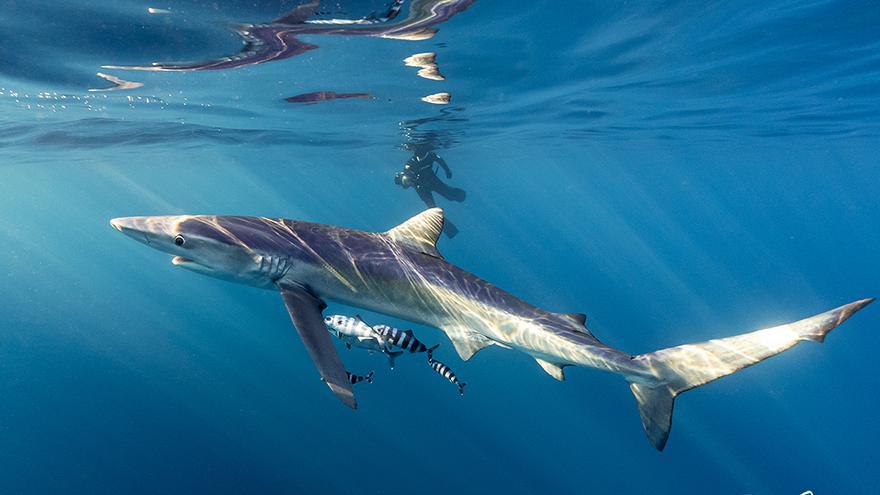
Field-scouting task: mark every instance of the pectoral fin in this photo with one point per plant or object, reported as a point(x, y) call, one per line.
point(305, 312)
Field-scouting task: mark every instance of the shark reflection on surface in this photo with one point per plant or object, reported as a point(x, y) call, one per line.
point(118, 83)
point(279, 39)
point(319, 96)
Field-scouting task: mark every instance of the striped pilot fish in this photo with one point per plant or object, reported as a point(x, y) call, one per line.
point(354, 332)
point(403, 339)
point(445, 372)
point(352, 378)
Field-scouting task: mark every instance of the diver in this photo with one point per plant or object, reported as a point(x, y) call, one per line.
point(420, 173)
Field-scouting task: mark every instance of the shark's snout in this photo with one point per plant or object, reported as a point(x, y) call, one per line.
point(134, 227)
point(118, 223)
point(129, 227)
point(154, 231)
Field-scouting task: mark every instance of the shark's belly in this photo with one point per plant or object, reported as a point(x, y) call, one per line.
point(392, 297)
point(435, 293)
point(541, 334)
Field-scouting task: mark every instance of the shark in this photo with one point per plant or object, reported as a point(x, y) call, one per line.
point(401, 273)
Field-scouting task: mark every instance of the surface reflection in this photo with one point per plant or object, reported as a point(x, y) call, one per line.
point(118, 83)
point(427, 65)
point(279, 39)
point(319, 96)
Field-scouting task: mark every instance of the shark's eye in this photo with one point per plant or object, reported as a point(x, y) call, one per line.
point(179, 240)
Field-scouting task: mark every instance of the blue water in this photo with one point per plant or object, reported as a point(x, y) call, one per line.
point(677, 170)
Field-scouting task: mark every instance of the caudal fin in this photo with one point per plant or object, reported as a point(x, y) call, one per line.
point(682, 368)
point(392, 355)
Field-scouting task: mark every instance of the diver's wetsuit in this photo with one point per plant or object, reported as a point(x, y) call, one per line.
point(419, 173)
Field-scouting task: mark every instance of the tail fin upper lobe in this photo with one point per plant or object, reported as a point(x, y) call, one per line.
point(682, 368)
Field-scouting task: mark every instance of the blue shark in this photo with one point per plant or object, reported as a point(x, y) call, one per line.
point(401, 273)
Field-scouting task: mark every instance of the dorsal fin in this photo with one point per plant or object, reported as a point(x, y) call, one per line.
point(579, 318)
point(580, 322)
point(421, 231)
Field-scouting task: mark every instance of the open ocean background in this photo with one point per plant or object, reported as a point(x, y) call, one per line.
point(678, 171)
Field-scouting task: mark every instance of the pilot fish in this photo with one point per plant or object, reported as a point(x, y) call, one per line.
point(403, 339)
point(445, 372)
point(352, 378)
point(353, 331)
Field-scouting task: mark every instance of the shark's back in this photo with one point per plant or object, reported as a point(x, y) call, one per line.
point(403, 270)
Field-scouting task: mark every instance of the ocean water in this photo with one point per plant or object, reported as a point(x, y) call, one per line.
point(679, 171)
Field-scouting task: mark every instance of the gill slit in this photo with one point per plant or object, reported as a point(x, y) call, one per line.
point(275, 267)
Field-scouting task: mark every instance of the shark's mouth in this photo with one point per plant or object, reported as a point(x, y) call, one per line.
point(180, 260)
point(191, 265)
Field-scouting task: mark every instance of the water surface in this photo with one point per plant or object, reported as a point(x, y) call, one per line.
point(676, 170)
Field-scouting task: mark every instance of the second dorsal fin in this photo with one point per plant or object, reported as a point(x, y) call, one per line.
point(580, 322)
point(579, 318)
point(421, 231)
